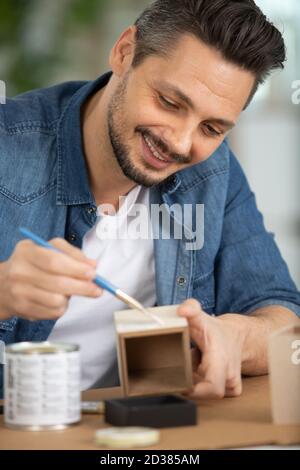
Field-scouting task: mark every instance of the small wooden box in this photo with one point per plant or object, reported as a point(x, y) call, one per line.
point(153, 359)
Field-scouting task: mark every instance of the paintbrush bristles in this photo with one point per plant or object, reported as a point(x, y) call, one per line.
point(131, 302)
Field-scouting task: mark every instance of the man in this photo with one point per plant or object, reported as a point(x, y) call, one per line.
point(154, 131)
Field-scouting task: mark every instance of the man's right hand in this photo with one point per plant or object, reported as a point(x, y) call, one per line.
point(36, 283)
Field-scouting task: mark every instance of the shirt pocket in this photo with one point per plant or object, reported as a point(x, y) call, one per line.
point(27, 165)
point(204, 291)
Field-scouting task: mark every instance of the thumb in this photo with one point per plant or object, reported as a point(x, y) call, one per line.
point(191, 310)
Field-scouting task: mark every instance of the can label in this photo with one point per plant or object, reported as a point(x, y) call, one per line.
point(42, 389)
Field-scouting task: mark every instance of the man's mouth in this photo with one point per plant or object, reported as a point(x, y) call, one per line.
point(154, 150)
point(152, 155)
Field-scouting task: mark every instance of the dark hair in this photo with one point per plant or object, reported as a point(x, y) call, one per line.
point(237, 28)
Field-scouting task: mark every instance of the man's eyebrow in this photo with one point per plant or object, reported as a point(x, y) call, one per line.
point(170, 88)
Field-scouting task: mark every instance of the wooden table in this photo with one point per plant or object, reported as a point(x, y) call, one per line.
point(231, 422)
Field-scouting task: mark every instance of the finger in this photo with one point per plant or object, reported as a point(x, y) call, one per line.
point(59, 263)
point(71, 250)
point(40, 297)
point(206, 391)
point(197, 377)
point(196, 358)
point(214, 378)
point(201, 372)
point(57, 284)
point(33, 311)
point(234, 385)
point(69, 286)
point(198, 330)
point(234, 391)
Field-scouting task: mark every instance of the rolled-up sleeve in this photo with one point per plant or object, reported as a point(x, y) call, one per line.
point(250, 272)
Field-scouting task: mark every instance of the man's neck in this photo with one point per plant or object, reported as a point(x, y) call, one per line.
point(106, 178)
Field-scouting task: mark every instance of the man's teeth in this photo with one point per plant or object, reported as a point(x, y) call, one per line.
point(155, 153)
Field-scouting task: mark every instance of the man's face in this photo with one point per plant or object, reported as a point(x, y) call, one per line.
point(167, 115)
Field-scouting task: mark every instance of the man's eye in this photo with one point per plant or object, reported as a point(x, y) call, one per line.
point(212, 131)
point(168, 103)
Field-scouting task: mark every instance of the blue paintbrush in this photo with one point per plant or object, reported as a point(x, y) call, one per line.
point(103, 283)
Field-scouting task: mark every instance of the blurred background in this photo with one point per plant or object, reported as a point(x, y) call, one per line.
point(45, 42)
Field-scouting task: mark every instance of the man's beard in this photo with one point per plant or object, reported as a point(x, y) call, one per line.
point(116, 112)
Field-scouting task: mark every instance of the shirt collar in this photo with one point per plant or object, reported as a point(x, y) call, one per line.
point(126, 204)
point(72, 180)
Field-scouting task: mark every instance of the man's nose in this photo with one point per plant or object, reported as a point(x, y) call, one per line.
point(180, 140)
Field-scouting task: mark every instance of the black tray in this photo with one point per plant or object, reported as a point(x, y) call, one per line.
point(159, 411)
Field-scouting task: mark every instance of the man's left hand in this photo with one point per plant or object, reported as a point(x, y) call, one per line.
point(218, 362)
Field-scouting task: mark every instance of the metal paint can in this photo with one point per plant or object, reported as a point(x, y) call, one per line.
point(42, 386)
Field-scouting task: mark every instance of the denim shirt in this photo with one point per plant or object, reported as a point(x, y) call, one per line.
point(44, 186)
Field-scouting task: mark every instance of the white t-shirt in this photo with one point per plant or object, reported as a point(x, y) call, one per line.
point(128, 264)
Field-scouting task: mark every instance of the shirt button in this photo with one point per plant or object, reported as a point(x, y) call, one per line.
point(91, 210)
point(181, 281)
point(72, 237)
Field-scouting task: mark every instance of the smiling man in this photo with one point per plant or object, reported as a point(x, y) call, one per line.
point(153, 130)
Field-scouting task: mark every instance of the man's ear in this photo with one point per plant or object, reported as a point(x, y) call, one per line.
point(122, 54)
